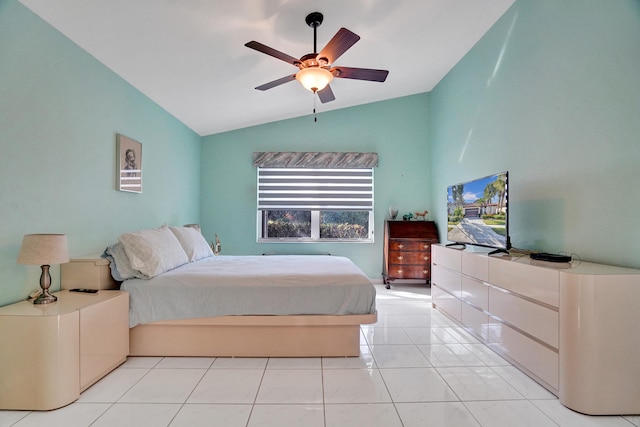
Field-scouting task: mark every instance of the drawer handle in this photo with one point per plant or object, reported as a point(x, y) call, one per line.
point(426, 257)
point(400, 246)
point(399, 271)
point(400, 257)
point(425, 246)
point(425, 271)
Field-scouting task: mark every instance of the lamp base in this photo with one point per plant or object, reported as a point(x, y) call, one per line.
point(45, 283)
point(45, 298)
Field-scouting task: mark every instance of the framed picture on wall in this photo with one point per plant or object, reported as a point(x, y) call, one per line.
point(129, 161)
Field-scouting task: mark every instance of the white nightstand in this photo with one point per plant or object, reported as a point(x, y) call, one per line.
point(50, 353)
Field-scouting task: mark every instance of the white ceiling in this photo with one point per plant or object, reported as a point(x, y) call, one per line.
point(189, 55)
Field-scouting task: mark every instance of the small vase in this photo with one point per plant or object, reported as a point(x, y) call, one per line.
point(393, 211)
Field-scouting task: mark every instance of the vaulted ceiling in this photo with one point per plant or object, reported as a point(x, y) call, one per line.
point(189, 55)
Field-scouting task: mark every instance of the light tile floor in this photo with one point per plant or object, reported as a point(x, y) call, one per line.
point(416, 368)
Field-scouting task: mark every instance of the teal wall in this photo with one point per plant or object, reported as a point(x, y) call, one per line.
point(552, 94)
point(60, 110)
point(396, 129)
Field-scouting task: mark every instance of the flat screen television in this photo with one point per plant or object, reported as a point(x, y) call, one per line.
point(478, 212)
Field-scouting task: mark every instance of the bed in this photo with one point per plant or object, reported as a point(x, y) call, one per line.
point(184, 301)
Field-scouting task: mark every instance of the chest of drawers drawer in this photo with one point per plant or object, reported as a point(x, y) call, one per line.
point(405, 257)
point(409, 246)
point(409, 272)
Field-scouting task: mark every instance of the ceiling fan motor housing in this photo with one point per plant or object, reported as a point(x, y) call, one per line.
point(312, 60)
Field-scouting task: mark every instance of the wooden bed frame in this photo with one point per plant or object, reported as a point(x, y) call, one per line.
point(251, 336)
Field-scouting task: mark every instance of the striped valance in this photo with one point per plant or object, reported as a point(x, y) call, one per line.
point(316, 160)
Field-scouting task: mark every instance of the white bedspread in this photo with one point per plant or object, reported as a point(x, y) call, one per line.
point(252, 285)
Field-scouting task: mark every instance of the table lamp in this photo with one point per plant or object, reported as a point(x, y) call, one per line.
point(44, 250)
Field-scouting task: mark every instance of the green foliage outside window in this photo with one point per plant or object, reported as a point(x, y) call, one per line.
point(333, 224)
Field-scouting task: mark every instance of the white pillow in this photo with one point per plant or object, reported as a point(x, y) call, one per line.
point(153, 252)
point(193, 243)
point(120, 265)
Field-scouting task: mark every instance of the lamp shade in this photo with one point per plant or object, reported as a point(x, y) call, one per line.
point(314, 78)
point(43, 249)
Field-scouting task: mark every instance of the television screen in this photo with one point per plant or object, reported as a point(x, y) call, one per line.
point(477, 212)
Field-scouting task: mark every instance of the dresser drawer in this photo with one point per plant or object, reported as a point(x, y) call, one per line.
point(475, 320)
point(536, 320)
point(447, 257)
point(475, 292)
point(538, 283)
point(536, 358)
point(408, 245)
point(447, 279)
point(446, 302)
point(475, 265)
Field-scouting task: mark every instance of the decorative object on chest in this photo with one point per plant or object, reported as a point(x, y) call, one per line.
point(393, 211)
point(407, 250)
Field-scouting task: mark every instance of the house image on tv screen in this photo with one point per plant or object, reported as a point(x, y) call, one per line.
point(477, 212)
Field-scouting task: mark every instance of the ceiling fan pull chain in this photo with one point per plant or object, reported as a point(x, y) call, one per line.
point(315, 116)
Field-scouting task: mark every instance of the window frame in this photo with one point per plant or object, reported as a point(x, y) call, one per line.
point(361, 199)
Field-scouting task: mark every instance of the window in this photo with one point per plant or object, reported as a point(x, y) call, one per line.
point(315, 204)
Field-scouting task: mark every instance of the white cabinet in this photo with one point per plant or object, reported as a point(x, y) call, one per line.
point(572, 327)
point(52, 352)
point(600, 339)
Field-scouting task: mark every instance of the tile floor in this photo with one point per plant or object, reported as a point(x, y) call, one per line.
point(416, 368)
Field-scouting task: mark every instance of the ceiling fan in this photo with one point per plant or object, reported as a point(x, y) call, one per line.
point(317, 69)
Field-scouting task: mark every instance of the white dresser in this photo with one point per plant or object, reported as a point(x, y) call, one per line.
point(574, 328)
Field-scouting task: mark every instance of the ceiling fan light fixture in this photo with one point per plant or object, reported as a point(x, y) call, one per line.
point(314, 78)
point(316, 69)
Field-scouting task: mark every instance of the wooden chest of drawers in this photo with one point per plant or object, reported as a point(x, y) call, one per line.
point(407, 250)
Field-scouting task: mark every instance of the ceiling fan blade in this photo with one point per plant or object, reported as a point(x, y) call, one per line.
point(326, 94)
point(272, 52)
point(338, 45)
point(277, 82)
point(360, 74)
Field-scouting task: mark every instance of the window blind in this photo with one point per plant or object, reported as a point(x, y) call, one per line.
point(315, 189)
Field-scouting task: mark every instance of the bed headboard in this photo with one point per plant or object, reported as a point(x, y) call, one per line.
point(90, 273)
